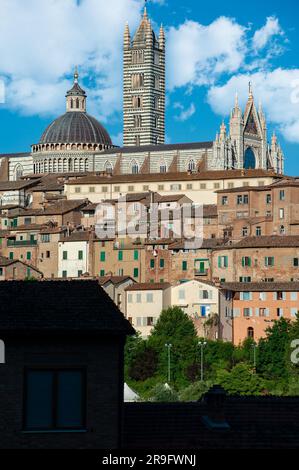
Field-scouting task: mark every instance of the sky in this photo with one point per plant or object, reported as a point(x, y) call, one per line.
point(213, 50)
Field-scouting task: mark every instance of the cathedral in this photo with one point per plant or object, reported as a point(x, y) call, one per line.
point(77, 142)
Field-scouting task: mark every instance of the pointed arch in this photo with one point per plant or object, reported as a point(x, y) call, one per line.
point(108, 167)
point(191, 165)
point(134, 167)
point(249, 159)
point(163, 167)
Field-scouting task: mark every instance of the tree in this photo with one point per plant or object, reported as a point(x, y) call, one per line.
point(272, 349)
point(241, 381)
point(144, 366)
point(176, 328)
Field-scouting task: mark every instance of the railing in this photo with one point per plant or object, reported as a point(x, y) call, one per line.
point(21, 243)
point(199, 272)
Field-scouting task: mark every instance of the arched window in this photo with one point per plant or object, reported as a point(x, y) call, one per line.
point(135, 168)
point(72, 103)
point(86, 164)
point(191, 166)
point(250, 332)
point(108, 168)
point(249, 160)
point(163, 167)
point(18, 172)
point(77, 103)
point(2, 352)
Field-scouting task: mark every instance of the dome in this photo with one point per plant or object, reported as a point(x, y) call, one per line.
point(76, 127)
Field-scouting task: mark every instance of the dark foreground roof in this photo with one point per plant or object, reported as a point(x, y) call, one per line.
point(261, 286)
point(254, 423)
point(59, 306)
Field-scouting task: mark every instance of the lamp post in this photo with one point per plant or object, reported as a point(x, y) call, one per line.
point(254, 355)
point(168, 346)
point(202, 344)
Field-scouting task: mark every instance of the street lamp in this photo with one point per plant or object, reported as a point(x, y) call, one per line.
point(168, 346)
point(202, 344)
point(254, 346)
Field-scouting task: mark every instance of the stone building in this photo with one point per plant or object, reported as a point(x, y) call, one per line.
point(248, 309)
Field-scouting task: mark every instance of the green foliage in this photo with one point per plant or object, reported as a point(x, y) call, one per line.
point(144, 366)
point(271, 358)
point(241, 380)
point(195, 391)
point(146, 361)
point(163, 393)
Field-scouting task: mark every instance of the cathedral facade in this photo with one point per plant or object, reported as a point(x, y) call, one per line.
point(77, 142)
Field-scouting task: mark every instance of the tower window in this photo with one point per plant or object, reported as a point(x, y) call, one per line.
point(137, 120)
point(137, 80)
point(156, 58)
point(157, 82)
point(137, 140)
point(77, 103)
point(137, 102)
point(156, 102)
point(137, 57)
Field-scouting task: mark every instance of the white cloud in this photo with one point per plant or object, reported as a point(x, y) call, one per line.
point(278, 90)
point(198, 54)
point(49, 37)
point(266, 33)
point(185, 113)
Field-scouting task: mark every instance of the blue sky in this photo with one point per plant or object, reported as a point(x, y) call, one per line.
point(213, 50)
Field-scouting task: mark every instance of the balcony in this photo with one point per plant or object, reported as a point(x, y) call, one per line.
point(17, 243)
point(201, 272)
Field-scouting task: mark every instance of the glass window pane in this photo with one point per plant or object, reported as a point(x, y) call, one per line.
point(39, 399)
point(69, 406)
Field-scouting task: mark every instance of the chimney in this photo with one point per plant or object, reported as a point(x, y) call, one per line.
point(214, 402)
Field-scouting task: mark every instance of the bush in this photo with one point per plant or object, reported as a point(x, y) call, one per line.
point(163, 393)
point(241, 381)
point(195, 391)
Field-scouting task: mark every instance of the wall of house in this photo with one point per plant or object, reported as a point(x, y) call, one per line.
point(104, 389)
point(72, 265)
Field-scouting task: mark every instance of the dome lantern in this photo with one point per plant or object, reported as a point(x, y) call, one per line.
point(76, 96)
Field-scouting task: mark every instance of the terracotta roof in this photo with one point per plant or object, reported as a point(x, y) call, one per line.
point(149, 286)
point(24, 227)
point(178, 176)
point(208, 243)
point(276, 241)
point(16, 185)
point(78, 237)
point(8, 262)
point(114, 279)
point(261, 286)
point(210, 210)
point(59, 207)
point(21, 312)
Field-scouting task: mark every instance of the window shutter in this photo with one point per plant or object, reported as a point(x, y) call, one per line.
point(226, 261)
point(267, 312)
point(284, 296)
point(249, 262)
point(257, 312)
point(219, 261)
point(243, 262)
point(250, 312)
point(236, 312)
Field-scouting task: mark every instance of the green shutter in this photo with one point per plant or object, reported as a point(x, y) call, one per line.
point(226, 261)
point(136, 272)
point(184, 265)
point(120, 256)
point(136, 255)
point(152, 263)
point(219, 261)
point(80, 255)
point(28, 255)
point(64, 255)
point(162, 263)
point(11, 255)
point(103, 256)
point(102, 272)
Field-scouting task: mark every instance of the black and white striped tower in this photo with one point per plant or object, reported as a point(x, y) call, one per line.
point(144, 85)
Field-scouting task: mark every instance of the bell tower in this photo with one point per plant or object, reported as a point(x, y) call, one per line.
point(144, 85)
